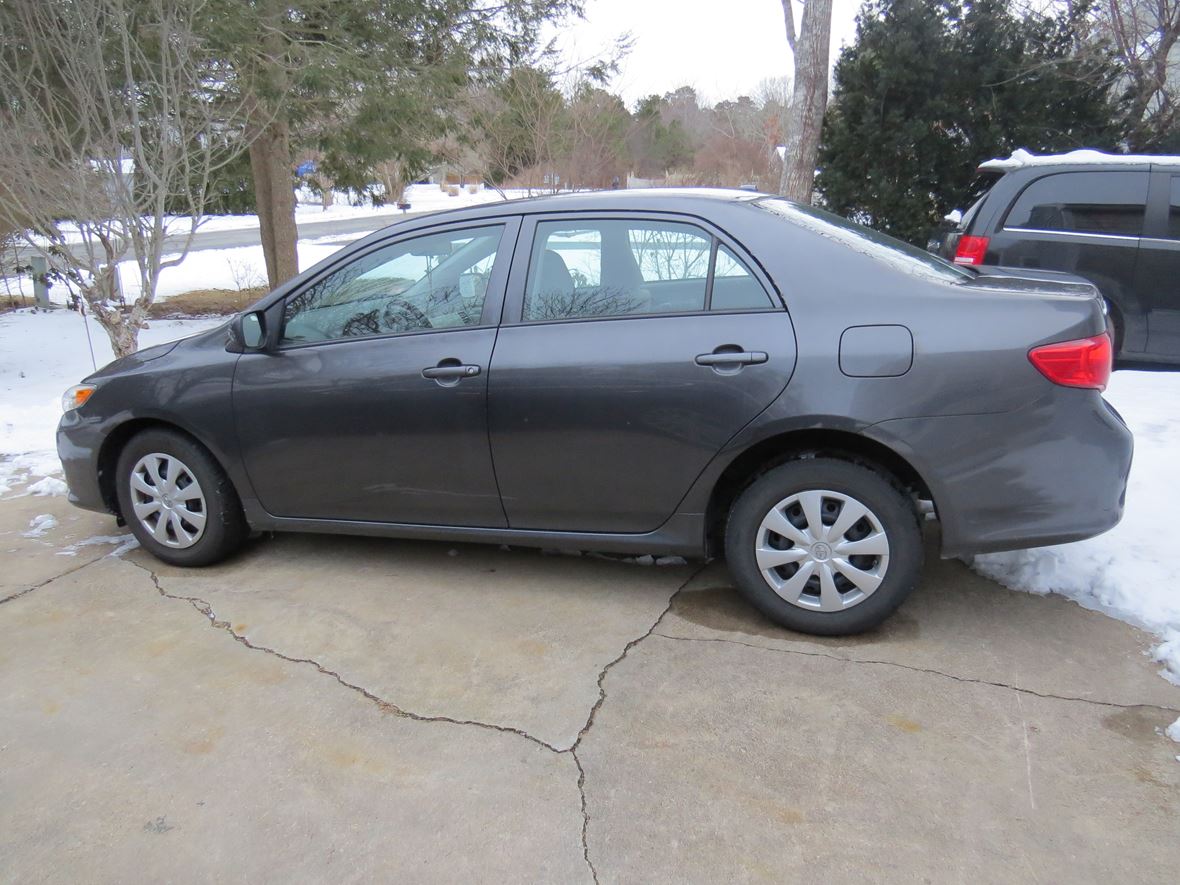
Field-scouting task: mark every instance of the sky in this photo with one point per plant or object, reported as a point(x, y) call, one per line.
point(722, 49)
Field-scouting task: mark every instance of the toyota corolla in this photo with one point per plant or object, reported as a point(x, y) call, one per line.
point(681, 372)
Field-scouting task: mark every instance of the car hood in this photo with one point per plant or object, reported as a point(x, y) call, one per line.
point(155, 352)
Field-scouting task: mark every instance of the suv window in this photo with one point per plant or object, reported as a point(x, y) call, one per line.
point(1083, 202)
point(600, 268)
point(436, 281)
point(1174, 210)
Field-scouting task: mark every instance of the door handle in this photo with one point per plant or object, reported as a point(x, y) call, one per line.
point(450, 370)
point(732, 358)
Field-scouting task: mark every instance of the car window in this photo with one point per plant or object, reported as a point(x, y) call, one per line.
point(600, 268)
point(734, 287)
point(876, 245)
point(1174, 210)
point(436, 281)
point(1083, 202)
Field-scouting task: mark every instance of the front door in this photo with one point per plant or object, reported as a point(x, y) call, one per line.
point(374, 405)
point(633, 350)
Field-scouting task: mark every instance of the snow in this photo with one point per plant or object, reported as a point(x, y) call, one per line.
point(1021, 158)
point(1129, 572)
point(49, 485)
point(41, 524)
point(308, 209)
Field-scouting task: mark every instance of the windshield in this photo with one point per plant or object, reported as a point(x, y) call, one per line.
point(898, 255)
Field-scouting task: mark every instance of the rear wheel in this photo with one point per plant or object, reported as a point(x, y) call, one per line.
point(177, 500)
point(824, 546)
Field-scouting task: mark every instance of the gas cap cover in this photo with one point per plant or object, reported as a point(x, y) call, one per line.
point(876, 351)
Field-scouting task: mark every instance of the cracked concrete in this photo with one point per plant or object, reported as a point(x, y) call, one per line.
point(348, 709)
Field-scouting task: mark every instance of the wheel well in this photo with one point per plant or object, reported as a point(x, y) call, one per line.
point(112, 447)
point(776, 450)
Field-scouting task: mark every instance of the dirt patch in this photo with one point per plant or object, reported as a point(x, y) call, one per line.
point(206, 302)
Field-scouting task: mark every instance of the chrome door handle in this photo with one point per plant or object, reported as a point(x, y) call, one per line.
point(730, 358)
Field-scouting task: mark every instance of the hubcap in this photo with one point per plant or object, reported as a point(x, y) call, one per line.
point(822, 550)
point(168, 500)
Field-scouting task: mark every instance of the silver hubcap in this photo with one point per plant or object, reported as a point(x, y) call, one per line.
point(822, 550)
point(168, 500)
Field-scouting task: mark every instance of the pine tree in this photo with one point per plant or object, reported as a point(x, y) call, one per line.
point(931, 88)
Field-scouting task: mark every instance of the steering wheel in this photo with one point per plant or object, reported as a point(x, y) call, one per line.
point(402, 316)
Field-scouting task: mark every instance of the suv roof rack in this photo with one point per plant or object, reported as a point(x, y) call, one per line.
point(1021, 158)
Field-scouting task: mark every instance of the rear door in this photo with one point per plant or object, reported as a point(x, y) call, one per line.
point(633, 348)
point(1086, 222)
point(1158, 273)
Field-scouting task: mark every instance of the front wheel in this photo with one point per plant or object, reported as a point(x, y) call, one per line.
point(177, 500)
point(824, 546)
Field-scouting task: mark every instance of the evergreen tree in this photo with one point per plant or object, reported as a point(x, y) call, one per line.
point(931, 88)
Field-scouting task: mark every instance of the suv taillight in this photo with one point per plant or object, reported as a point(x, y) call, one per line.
point(970, 250)
point(1082, 363)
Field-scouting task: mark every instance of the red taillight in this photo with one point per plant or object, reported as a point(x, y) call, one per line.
point(1082, 363)
point(970, 250)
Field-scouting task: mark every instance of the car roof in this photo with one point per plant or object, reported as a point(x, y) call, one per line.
point(1022, 159)
point(656, 199)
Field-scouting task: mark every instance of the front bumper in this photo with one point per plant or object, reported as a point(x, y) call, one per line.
point(79, 442)
point(1052, 472)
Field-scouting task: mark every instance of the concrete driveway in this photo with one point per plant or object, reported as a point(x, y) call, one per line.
point(333, 709)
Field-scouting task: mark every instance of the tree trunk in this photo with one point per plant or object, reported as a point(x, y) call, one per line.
point(810, 98)
point(270, 162)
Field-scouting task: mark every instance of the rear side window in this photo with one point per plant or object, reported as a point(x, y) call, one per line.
point(1083, 202)
point(586, 268)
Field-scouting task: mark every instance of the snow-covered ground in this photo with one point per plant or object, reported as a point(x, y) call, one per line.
point(308, 208)
point(1128, 573)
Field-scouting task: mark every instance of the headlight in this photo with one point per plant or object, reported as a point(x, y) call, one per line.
point(75, 396)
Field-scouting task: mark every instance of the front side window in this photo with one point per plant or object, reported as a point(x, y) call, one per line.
point(436, 281)
point(1083, 202)
point(609, 267)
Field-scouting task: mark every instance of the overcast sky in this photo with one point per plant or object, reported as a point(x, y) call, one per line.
point(723, 48)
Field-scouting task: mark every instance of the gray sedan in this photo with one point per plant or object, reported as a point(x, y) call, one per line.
point(685, 372)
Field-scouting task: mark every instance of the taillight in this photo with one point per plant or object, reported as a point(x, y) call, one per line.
point(1082, 363)
point(970, 250)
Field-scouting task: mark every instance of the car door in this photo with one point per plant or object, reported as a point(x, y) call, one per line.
point(1158, 276)
point(373, 406)
point(1086, 222)
point(633, 348)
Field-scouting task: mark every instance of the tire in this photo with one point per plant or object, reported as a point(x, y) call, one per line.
point(827, 601)
point(195, 501)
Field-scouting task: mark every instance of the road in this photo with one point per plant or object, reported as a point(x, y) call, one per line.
point(329, 709)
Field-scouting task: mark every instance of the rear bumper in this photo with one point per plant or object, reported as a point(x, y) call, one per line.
point(1052, 472)
point(78, 444)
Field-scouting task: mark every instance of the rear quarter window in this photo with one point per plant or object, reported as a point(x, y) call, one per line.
point(882, 247)
point(1083, 202)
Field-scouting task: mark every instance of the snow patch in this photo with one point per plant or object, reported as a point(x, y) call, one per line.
point(39, 525)
point(123, 544)
point(1173, 732)
point(1021, 158)
point(1129, 572)
point(50, 485)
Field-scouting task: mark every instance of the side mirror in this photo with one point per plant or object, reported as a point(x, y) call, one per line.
point(247, 331)
point(253, 331)
point(472, 285)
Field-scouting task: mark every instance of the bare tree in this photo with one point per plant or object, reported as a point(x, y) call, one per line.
point(115, 120)
point(810, 99)
point(1146, 39)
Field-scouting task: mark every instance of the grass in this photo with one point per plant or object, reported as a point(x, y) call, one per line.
point(206, 302)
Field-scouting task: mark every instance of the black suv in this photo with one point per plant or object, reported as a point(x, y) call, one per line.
point(1114, 220)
